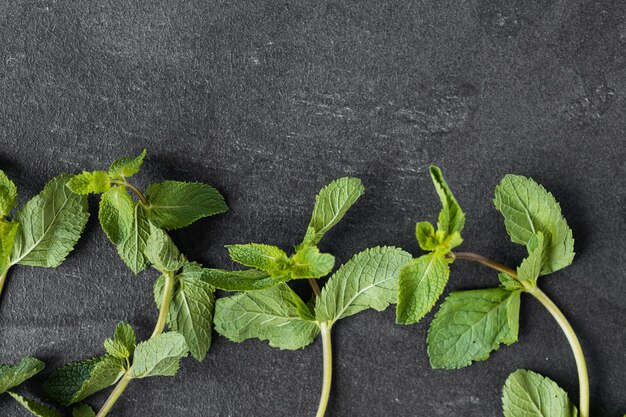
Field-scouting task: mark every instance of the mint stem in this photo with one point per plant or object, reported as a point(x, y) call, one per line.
point(117, 392)
point(135, 190)
point(328, 368)
point(557, 314)
point(168, 291)
point(314, 286)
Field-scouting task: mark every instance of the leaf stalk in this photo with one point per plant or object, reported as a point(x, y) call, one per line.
point(328, 368)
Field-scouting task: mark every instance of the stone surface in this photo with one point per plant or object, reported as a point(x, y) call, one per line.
point(269, 101)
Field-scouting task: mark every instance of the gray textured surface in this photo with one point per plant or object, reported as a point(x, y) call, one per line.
point(270, 100)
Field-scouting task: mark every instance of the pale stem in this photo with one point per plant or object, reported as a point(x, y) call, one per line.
point(117, 392)
point(328, 368)
point(3, 279)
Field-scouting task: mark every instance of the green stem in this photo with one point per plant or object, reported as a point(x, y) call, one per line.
point(168, 291)
point(328, 368)
point(557, 314)
point(117, 392)
point(581, 364)
point(314, 286)
point(3, 279)
point(134, 189)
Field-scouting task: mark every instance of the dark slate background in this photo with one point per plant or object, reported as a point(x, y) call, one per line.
point(269, 101)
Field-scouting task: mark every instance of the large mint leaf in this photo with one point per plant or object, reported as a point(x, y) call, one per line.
point(159, 356)
point(50, 225)
point(273, 314)
point(471, 324)
point(368, 280)
point(176, 204)
point(331, 204)
point(162, 252)
point(528, 209)
point(528, 394)
point(420, 284)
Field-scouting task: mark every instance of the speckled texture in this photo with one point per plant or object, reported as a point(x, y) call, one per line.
point(269, 101)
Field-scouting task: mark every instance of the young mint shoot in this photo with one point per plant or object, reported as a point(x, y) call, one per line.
point(266, 308)
point(44, 231)
point(471, 324)
point(137, 227)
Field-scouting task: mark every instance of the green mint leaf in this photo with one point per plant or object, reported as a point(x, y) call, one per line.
point(273, 314)
point(8, 195)
point(132, 249)
point(368, 280)
point(471, 324)
point(159, 356)
point(527, 209)
point(35, 407)
point(420, 284)
point(308, 262)
point(426, 236)
point(248, 280)
point(13, 375)
point(123, 344)
point(79, 380)
point(83, 410)
point(8, 231)
point(50, 225)
point(530, 268)
point(451, 217)
point(95, 182)
point(127, 167)
point(176, 204)
point(528, 394)
point(331, 204)
point(267, 258)
point(191, 310)
point(116, 213)
point(162, 252)
point(509, 283)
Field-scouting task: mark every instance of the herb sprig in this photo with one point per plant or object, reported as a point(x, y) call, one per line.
point(471, 324)
point(268, 309)
point(138, 228)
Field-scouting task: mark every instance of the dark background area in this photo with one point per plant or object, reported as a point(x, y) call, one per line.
point(269, 101)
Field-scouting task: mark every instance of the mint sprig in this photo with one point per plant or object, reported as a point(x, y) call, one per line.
point(137, 223)
point(472, 324)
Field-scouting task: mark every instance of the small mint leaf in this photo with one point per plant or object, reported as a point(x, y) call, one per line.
point(83, 410)
point(248, 280)
point(451, 217)
point(8, 195)
point(127, 167)
point(13, 375)
point(95, 182)
point(159, 356)
point(308, 262)
point(267, 258)
point(36, 408)
point(162, 252)
point(116, 213)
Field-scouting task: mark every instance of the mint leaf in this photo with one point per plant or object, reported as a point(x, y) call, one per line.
point(247, 280)
point(8, 195)
point(267, 258)
point(426, 236)
point(273, 314)
point(162, 252)
point(50, 225)
point(530, 268)
point(83, 410)
point(368, 280)
point(79, 380)
point(123, 343)
point(132, 249)
point(308, 262)
point(528, 394)
point(331, 204)
point(509, 283)
point(95, 182)
point(451, 217)
point(116, 213)
point(471, 324)
point(527, 209)
point(159, 356)
point(191, 308)
point(420, 284)
point(176, 204)
point(13, 375)
point(35, 407)
point(127, 167)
